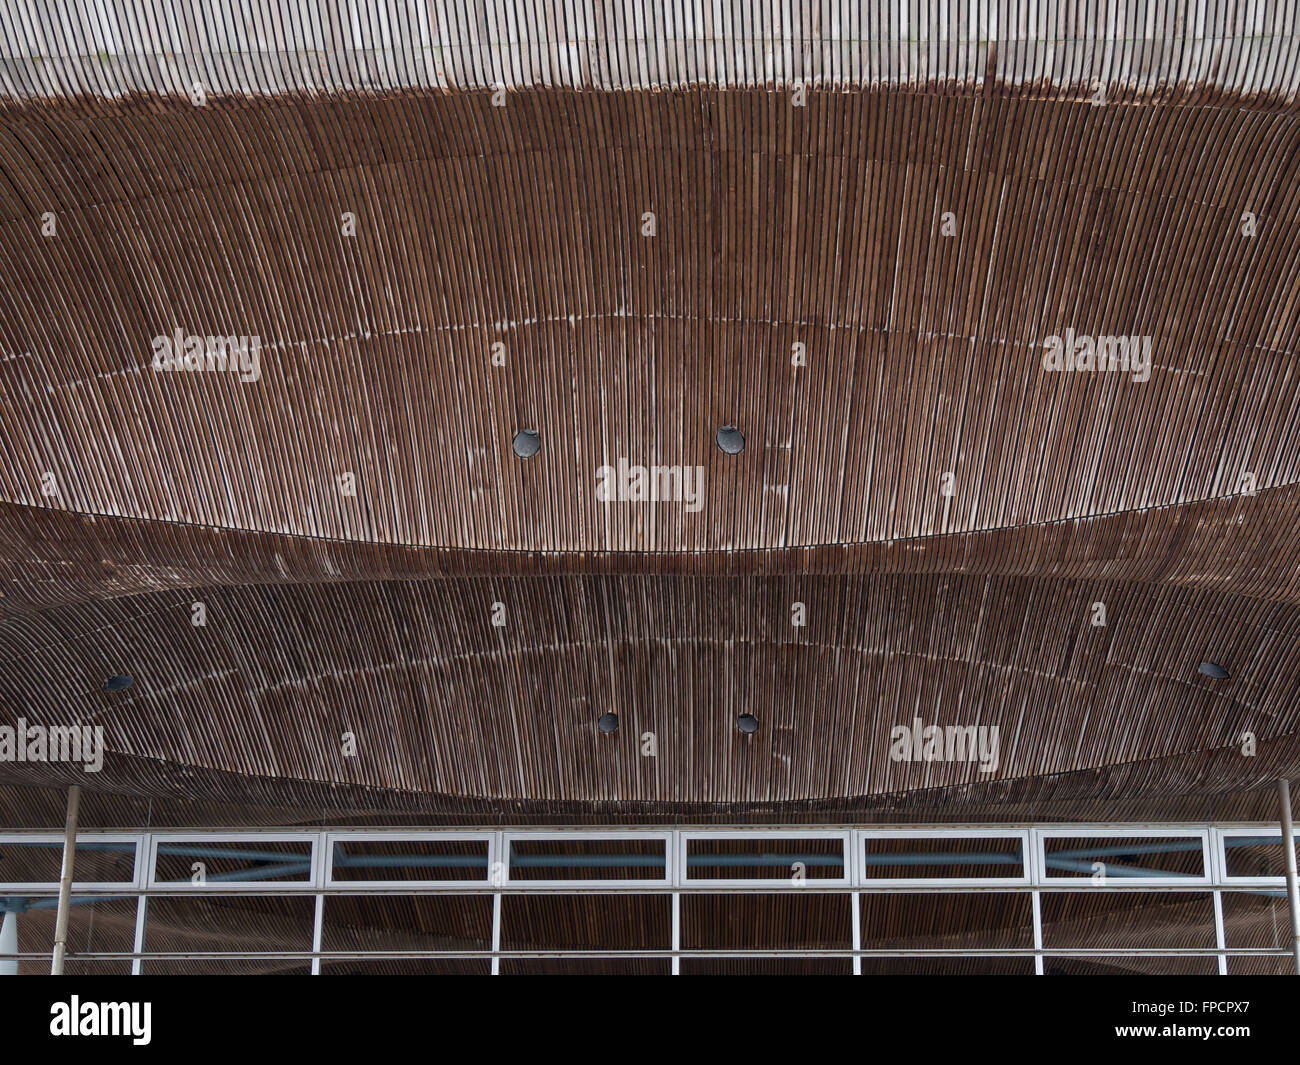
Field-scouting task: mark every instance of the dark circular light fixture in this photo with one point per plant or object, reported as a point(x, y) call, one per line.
point(526, 443)
point(747, 723)
point(731, 440)
point(607, 723)
point(119, 683)
point(1213, 669)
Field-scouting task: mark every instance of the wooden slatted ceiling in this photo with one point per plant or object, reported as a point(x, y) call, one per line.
point(445, 704)
point(72, 47)
point(775, 224)
point(183, 798)
point(1245, 545)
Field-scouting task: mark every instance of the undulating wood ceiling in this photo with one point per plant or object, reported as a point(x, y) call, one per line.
point(441, 245)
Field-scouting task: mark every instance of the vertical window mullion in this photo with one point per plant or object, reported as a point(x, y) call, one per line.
point(857, 933)
point(496, 933)
point(1035, 895)
point(1218, 932)
point(316, 934)
point(137, 944)
point(677, 932)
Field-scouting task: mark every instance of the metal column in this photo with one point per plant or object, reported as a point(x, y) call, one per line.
point(1288, 845)
point(9, 943)
point(496, 935)
point(65, 881)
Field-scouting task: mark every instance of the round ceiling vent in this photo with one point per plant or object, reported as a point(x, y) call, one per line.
point(608, 723)
point(747, 723)
point(119, 683)
point(526, 443)
point(731, 440)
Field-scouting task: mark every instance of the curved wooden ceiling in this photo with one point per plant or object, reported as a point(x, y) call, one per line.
point(947, 511)
point(776, 225)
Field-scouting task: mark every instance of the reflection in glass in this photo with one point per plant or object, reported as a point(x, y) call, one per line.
point(407, 859)
point(1123, 858)
point(930, 857)
point(198, 861)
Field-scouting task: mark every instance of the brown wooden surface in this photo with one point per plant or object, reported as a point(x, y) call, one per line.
point(775, 224)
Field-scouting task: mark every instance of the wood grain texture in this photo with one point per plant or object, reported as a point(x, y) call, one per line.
point(776, 225)
point(1174, 502)
point(445, 704)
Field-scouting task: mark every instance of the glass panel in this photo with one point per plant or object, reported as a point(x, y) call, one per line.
point(586, 922)
point(1123, 857)
point(588, 859)
point(32, 862)
point(225, 967)
point(429, 859)
point(1260, 855)
point(586, 967)
point(1256, 919)
point(1128, 919)
point(925, 857)
point(787, 921)
point(96, 925)
point(260, 860)
point(229, 924)
point(408, 967)
point(76, 967)
point(948, 966)
point(762, 858)
point(939, 920)
point(766, 967)
point(1130, 966)
point(407, 922)
point(1262, 965)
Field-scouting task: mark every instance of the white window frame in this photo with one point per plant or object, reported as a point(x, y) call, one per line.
point(1046, 878)
point(843, 881)
point(865, 880)
point(235, 840)
point(854, 883)
point(1221, 836)
point(79, 887)
point(331, 838)
point(507, 838)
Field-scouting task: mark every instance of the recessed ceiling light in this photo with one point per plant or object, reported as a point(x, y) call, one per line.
point(526, 443)
point(119, 683)
point(1213, 669)
point(731, 440)
point(747, 723)
point(608, 723)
